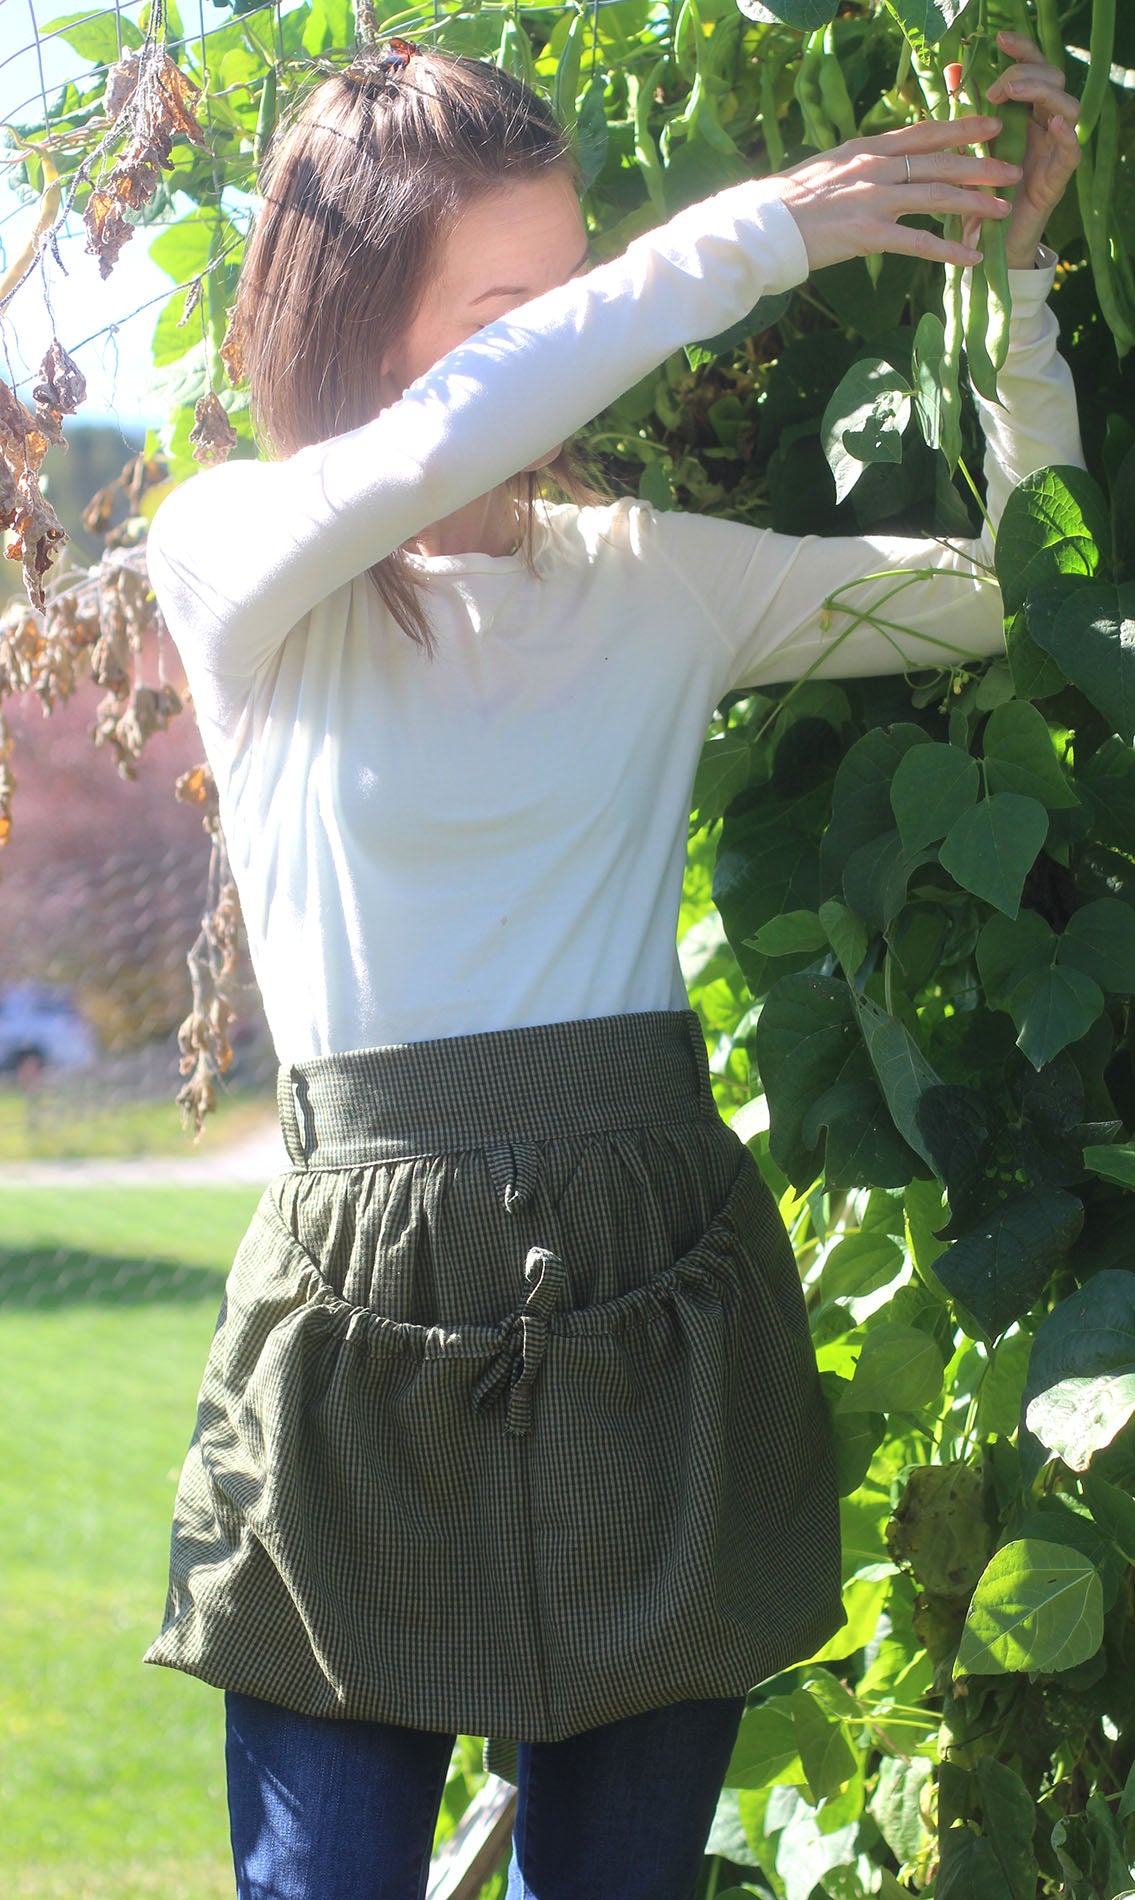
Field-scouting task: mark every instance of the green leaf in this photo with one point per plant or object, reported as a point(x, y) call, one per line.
point(1100, 941)
point(1034, 673)
point(861, 795)
point(1008, 950)
point(1109, 775)
point(94, 37)
point(927, 19)
point(723, 772)
point(825, 1752)
point(1019, 756)
point(1076, 1417)
point(1010, 1823)
point(896, 1805)
point(765, 866)
point(932, 786)
point(1091, 1331)
point(1051, 1008)
point(860, 1264)
point(817, 1076)
point(796, 930)
point(999, 1863)
point(990, 849)
point(1038, 1607)
point(845, 933)
point(182, 251)
point(765, 312)
point(1055, 522)
point(591, 130)
point(864, 421)
point(1091, 636)
point(856, 1441)
point(805, 15)
point(765, 1749)
point(1113, 1511)
point(1000, 1268)
point(1114, 1163)
point(875, 878)
point(969, 1868)
point(899, 1370)
point(903, 1073)
point(929, 350)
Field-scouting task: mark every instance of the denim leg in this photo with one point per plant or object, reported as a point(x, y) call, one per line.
point(322, 1809)
point(622, 1812)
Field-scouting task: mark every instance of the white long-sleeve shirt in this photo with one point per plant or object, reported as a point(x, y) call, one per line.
point(495, 837)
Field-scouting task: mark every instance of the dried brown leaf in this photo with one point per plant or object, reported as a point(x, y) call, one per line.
point(232, 349)
point(62, 385)
point(107, 229)
point(212, 436)
point(121, 80)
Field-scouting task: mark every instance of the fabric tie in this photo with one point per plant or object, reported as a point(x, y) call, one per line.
point(517, 1360)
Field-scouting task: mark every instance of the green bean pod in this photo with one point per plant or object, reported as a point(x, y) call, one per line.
point(949, 373)
point(982, 370)
point(265, 118)
point(1048, 32)
point(1095, 185)
point(834, 96)
point(565, 86)
point(771, 70)
point(646, 150)
point(818, 130)
point(1000, 293)
point(1098, 83)
point(515, 53)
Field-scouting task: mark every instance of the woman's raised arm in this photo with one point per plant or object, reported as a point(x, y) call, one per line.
point(239, 554)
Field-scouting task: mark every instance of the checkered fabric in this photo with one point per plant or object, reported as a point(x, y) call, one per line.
point(511, 1424)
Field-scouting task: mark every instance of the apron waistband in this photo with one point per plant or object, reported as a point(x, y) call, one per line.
point(502, 1090)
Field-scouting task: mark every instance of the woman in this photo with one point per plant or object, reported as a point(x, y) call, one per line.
point(511, 1423)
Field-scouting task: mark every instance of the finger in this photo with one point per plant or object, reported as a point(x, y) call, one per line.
point(1039, 92)
point(945, 201)
point(960, 168)
point(927, 135)
point(1019, 45)
point(1038, 64)
point(914, 240)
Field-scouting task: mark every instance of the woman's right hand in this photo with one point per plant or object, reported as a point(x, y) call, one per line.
point(848, 201)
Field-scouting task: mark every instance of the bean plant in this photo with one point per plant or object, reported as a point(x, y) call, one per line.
point(908, 922)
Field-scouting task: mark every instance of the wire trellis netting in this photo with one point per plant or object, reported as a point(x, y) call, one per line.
point(131, 139)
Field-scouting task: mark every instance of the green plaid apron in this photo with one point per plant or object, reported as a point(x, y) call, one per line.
point(511, 1423)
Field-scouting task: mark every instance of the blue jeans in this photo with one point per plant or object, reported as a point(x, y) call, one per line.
point(333, 1810)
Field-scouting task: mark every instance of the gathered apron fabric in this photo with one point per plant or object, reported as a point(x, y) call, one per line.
point(511, 1422)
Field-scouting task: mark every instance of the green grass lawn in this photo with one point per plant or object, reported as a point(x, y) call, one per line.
point(111, 1773)
point(111, 1777)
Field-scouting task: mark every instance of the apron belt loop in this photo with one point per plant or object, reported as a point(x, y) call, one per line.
point(288, 1082)
point(513, 1170)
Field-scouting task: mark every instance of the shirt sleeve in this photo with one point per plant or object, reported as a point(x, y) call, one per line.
point(239, 554)
point(782, 606)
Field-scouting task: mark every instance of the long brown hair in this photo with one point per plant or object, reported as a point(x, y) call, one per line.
point(359, 186)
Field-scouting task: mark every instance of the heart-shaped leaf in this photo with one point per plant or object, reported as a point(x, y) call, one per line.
point(932, 786)
point(1054, 522)
point(991, 848)
point(1076, 1417)
point(864, 421)
point(1091, 636)
point(1038, 1606)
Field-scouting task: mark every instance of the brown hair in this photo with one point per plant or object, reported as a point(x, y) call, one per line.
point(359, 187)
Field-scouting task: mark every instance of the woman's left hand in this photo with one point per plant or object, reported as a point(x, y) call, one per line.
point(1052, 152)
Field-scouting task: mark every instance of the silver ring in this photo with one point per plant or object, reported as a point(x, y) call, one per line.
point(907, 162)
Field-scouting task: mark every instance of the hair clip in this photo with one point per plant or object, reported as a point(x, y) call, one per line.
point(397, 56)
